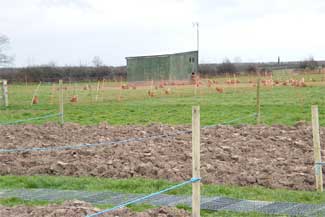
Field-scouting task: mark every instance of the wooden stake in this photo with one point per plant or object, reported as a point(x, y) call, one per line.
point(61, 102)
point(36, 92)
point(97, 90)
point(258, 104)
point(196, 197)
point(90, 93)
point(26, 79)
point(52, 93)
point(5, 93)
point(317, 150)
point(235, 83)
point(120, 92)
point(75, 89)
point(102, 89)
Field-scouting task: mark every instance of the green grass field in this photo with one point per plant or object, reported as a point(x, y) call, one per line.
point(279, 105)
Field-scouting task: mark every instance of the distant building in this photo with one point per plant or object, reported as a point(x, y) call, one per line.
point(177, 66)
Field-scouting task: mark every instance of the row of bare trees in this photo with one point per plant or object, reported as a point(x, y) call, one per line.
point(227, 67)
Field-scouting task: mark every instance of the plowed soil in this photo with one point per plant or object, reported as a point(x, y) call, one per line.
point(272, 156)
point(81, 209)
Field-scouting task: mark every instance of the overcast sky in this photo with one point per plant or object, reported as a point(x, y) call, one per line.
point(72, 32)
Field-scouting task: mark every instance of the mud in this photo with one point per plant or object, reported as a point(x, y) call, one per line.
point(81, 209)
point(271, 156)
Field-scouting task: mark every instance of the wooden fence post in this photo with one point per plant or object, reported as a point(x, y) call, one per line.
point(317, 150)
point(196, 197)
point(258, 103)
point(235, 83)
point(5, 93)
point(97, 90)
point(35, 93)
point(61, 102)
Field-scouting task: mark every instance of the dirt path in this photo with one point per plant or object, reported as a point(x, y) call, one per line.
point(272, 156)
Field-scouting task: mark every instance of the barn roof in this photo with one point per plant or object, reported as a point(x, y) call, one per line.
point(161, 55)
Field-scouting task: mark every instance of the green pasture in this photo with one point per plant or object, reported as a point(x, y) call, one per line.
point(279, 105)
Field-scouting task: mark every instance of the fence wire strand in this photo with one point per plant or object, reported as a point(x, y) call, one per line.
point(30, 119)
point(73, 147)
point(119, 142)
point(140, 199)
point(231, 121)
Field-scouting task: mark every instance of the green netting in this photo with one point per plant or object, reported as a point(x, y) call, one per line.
point(177, 66)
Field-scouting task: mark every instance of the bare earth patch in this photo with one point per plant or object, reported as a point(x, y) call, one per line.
point(81, 209)
point(272, 156)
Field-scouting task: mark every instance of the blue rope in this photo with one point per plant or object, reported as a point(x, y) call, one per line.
point(31, 119)
point(140, 199)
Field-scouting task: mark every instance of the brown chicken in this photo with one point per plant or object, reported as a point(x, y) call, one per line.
point(168, 91)
point(151, 93)
point(74, 98)
point(219, 89)
point(125, 86)
point(35, 100)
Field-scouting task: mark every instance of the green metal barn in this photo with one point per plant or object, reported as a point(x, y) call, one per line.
point(177, 66)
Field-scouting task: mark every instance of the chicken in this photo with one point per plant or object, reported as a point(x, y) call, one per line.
point(125, 86)
point(35, 100)
point(151, 93)
point(74, 98)
point(168, 91)
point(219, 89)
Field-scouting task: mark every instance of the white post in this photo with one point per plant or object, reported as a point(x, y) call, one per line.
point(5, 93)
point(61, 102)
point(258, 102)
point(35, 92)
point(97, 90)
point(196, 197)
point(317, 149)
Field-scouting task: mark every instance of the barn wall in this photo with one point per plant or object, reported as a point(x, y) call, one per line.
point(161, 67)
point(182, 65)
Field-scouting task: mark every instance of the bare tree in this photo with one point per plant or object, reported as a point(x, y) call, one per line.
point(4, 59)
point(309, 63)
point(97, 61)
point(227, 67)
point(251, 69)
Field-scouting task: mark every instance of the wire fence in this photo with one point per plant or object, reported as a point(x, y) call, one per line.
point(31, 119)
point(231, 121)
point(125, 141)
point(141, 199)
point(118, 142)
point(86, 145)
